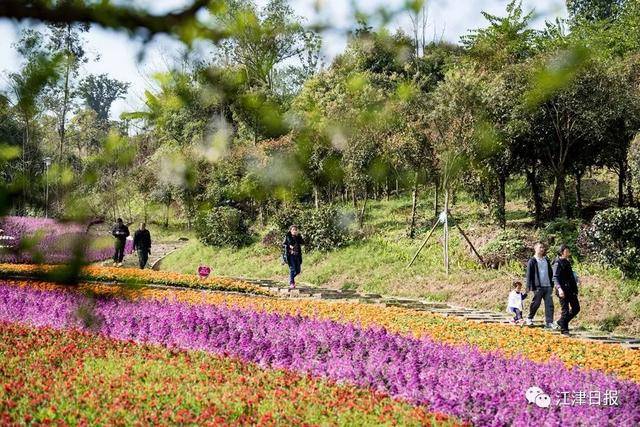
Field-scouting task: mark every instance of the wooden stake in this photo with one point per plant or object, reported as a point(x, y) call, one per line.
point(423, 243)
point(469, 242)
point(446, 231)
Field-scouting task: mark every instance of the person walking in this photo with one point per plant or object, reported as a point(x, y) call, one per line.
point(120, 232)
point(142, 244)
point(539, 281)
point(566, 287)
point(514, 303)
point(292, 253)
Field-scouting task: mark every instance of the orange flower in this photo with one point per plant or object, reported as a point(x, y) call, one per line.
point(540, 346)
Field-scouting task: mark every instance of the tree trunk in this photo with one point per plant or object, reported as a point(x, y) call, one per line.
point(261, 220)
point(630, 198)
point(363, 209)
point(579, 192)
point(537, 196)
point(387, 189)
point(436, 202)
point(622, 176)
point(501, 212)
point(414, 206)
point(166, 217)
point(316, 197)
point(557, 192)
point(25, 145)
point(397, 188)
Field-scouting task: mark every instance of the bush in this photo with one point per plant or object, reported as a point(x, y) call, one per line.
point(506, 246)
point(322, 229)
point(561, 231)
point(613, 239)
point(610, 323)
point(286, 216)
point(273, 238)
point(222, 226)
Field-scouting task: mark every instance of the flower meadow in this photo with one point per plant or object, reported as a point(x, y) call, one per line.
point(540, 346)
point(51, 241)
point(459, 380)
point(135, 276)
point(69, 377)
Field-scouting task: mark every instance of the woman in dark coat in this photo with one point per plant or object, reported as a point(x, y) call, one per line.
point(292, 253)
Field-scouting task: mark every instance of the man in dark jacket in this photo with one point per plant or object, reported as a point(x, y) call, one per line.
point(539, 281)
point(292, 253)
point(567, 288)
point(120, 232)
point(142, 244)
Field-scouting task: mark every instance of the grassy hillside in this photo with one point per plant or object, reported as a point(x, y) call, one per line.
point(376, 262)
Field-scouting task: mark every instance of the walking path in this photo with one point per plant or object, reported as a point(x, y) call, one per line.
point(281, 289)
point(475, 315)
point(158, 252)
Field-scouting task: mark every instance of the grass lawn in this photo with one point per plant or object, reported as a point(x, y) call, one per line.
point(377, 262)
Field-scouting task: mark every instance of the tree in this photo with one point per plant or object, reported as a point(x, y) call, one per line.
point(264, 39)
point(506, 41)
point(85, 133)
point(497, 51)
point(594, 10)
point(456, 109)
point(27, 87)
point(165, 194)
point(66, 42)
point(574, 115)
point(99, 92)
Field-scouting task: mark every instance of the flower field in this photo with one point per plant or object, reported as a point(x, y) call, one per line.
point(52, 377)
point(448, 374)
point(134, 276)
point(53, 242)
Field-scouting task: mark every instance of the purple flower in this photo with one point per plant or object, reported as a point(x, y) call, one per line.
point(484, 388)
point(55, 241)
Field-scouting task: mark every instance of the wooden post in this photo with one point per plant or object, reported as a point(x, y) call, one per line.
point(469, 242)
point(446, 231)
point(423, 243)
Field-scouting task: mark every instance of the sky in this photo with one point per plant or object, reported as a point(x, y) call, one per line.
point(126, 59)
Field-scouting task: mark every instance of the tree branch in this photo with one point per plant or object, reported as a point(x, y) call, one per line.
point(111, 16)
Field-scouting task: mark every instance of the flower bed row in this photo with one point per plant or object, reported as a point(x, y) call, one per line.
point(134, 276)
point(536, 345)
point(51, 241)
point(50, 376)
point(483, 388)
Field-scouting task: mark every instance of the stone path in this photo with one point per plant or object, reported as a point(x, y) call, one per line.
point(158, 252)
point(474, 315)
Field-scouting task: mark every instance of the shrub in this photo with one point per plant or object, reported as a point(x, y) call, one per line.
point(322, 229)
point(610, 323)
point(613, 239)
point(286, 216)
point(506, 246)
point(273, 238)
point(561, 231)
point(222, 226)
